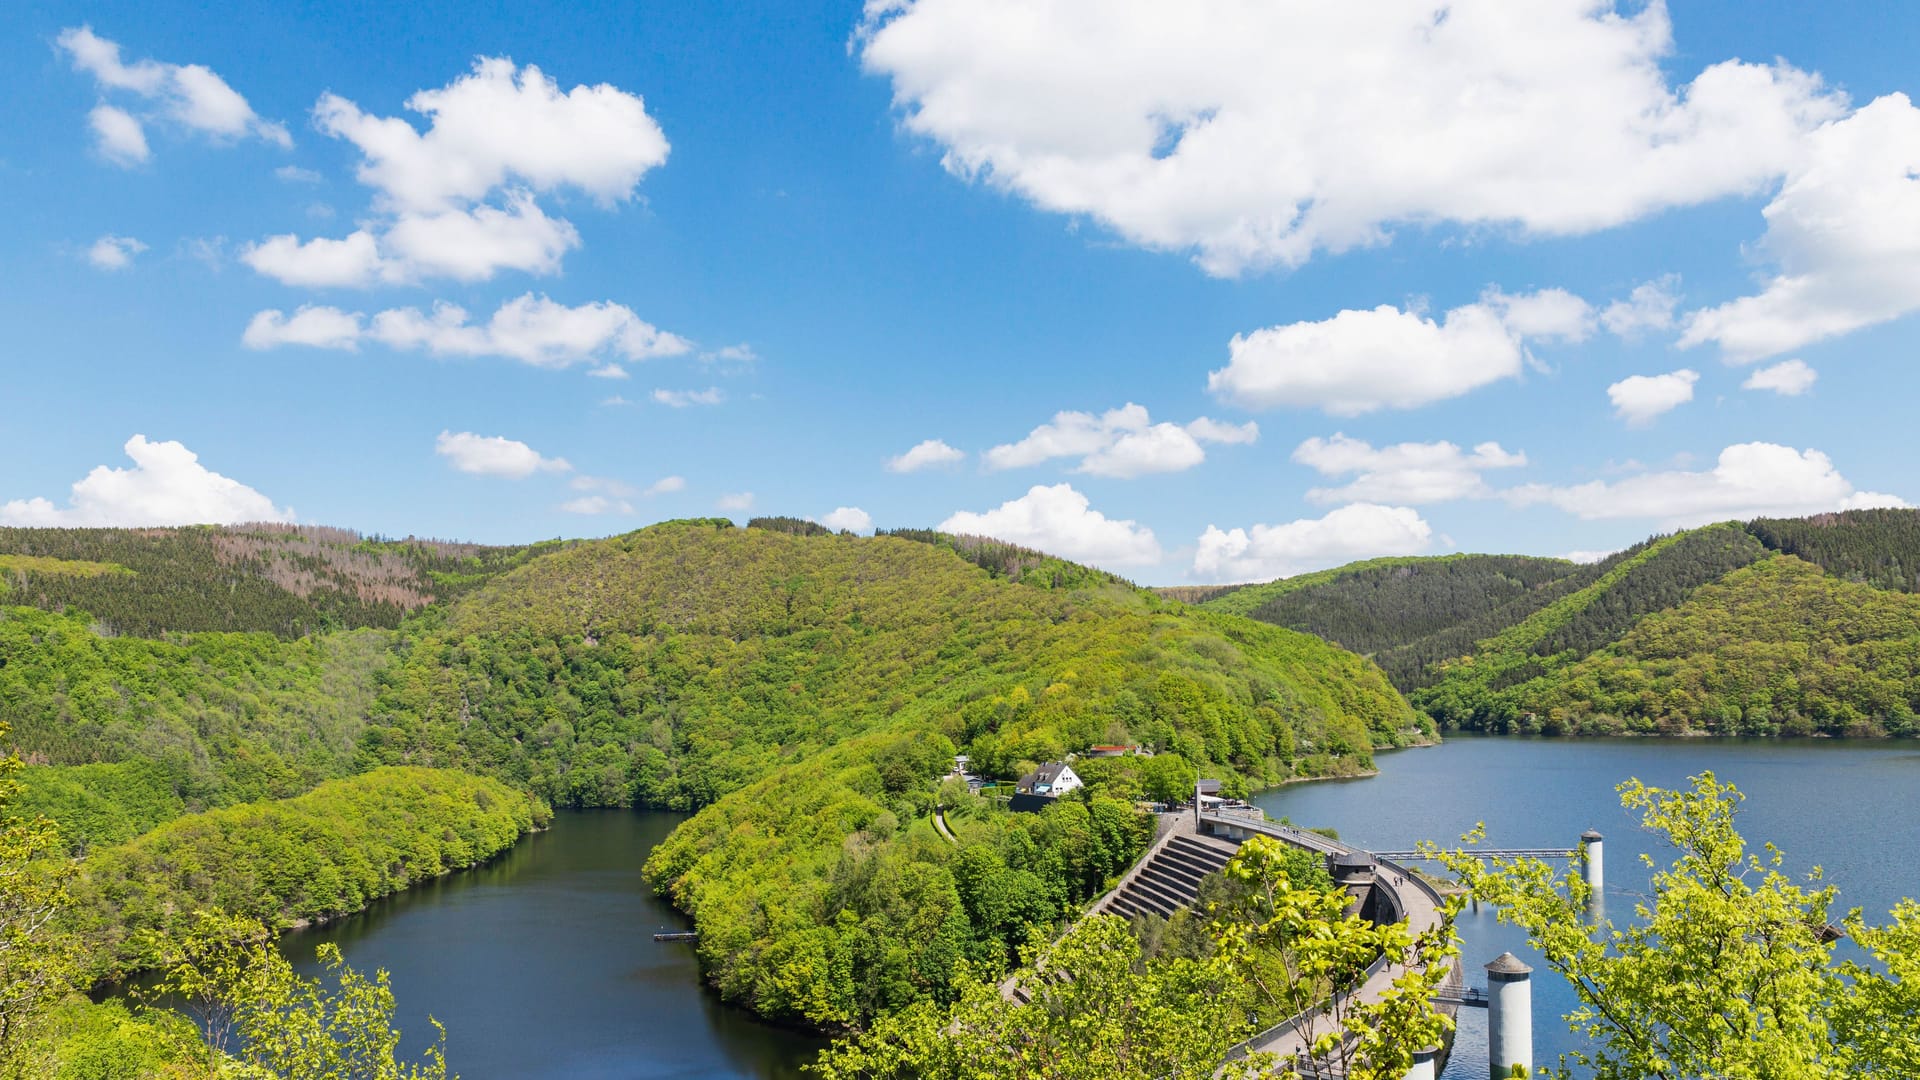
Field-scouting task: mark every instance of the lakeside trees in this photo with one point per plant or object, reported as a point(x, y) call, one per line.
point(287, 1027)
point(1729, 968)
point(1101, 1008)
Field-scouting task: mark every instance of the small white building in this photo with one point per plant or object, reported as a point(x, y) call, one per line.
point(1055, 778)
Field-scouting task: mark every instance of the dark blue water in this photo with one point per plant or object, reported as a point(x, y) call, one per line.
point(1846, 807)
point(542, 964)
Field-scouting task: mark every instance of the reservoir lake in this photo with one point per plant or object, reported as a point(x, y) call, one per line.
point(542, 963)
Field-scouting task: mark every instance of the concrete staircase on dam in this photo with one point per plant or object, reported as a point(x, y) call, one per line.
point(1169, 878)
point(1165, 880)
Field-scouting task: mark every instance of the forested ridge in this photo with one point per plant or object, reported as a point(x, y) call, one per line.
point(805, 691)
point(1509, 643)
point(809, 691)
point(280, 579)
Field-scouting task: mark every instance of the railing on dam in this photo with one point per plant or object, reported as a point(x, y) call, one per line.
point(1401, 894)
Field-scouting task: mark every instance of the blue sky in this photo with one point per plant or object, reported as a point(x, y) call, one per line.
point(813, 240)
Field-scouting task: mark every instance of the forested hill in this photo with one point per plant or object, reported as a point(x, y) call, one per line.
point(1516, 643)
point(806, 692)
point(280, 579)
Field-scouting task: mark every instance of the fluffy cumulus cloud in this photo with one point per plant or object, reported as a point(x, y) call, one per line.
point(1122, 443)
point(680, 399)
point(926, 454)
point(1362, 361)
point(167, 485)
point(112, 252)
point(1546, 315)
point(118, 136)
point(1407, 473)
point(1845, 233)
point(1649, 307)
point(1637, 399)
point(1749, 480)
point(459, 200)
point(1788, 378)
point(531, 329)
point(318, 327)
point(666, 485)
point(738, 500)
point(848, 519)
point(188, 96)
point(1060, 521)
point(1258, 133)
point(494, 455)
point(1264, 552)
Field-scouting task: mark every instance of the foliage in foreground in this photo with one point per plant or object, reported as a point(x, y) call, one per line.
point(289, 1028)
point(1728, 969)
point(1099, 1009)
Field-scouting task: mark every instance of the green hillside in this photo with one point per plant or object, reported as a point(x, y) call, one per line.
point(1776, 648)
point(1495, 642)
point(805, 691)
point(278, 579)
point(810, 690)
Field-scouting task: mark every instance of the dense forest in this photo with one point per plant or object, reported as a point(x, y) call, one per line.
point(810, 690)
point(1507, 643)
point(279, 579)
point(806, 691)
point(286, 747)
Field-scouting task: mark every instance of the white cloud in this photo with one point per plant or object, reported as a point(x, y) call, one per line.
point(318, 327)
point(1264, 552)
point(459, 200)
point(925, 455)
point(1546, 315)
point(112, 252)
point(1406, 473)
point(848, 519)
point(609, 371)
point(614, 401)
point(1121, 442)
point(1749, 480)
point(474, 244)
point(118, 136)
point(1258, 133)
point(1361, 361)
point(1586, 557)
point(294, 174)
point(1789, 378)
point(189, 95)
point(1637, 399)
point(494, 455)
point(500, 125)
point(596, 504)
point(531, 329)
point(1060, 521)
point(666, 485)
point(167, 485)
point(1218, 431)
point(1649, 307)
point(320, 262)
point(731, 359)
point(680, 399)
point(1845, 231)
point(739, 500)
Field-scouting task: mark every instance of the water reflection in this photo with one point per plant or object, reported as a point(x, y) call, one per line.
point(542, 964)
